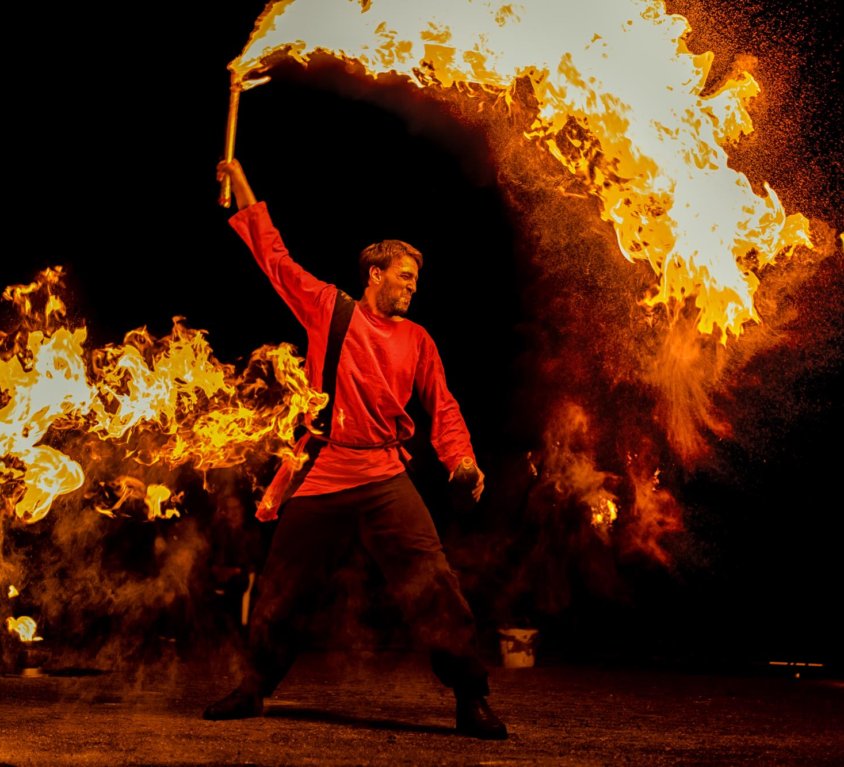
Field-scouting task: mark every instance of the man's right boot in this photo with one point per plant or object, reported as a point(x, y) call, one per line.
point(238, 704)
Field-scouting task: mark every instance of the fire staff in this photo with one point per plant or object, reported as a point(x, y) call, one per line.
point(354, 489)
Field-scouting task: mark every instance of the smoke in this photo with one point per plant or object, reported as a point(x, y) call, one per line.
point(104, 591)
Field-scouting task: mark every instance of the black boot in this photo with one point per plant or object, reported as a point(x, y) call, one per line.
point(475, 719)
point(238, 704)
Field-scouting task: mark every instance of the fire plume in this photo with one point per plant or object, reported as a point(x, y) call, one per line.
point(620, 102)
point(146, 403)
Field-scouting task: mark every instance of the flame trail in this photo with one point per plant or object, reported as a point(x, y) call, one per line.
point(619, 103)
point(163, 401)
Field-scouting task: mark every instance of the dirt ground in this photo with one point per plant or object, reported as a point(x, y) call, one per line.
point(386, 708)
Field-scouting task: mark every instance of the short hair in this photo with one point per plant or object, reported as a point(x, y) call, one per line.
point(382, 254)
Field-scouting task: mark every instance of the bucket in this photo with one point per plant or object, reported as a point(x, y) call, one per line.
point(518, 647)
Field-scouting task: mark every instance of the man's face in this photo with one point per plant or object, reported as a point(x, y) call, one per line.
point(396, 286)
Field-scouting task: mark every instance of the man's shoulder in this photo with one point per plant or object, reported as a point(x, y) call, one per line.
point(421, 338)
point(414, 328)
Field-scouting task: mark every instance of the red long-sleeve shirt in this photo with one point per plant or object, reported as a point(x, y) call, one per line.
point(381, 363)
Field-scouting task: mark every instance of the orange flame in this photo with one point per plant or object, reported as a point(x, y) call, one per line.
point(152, 496)
point(655, 513)
point(604, 513)
point(569, 474)
point(619, 103)
point(155, 402)
point(569, 466)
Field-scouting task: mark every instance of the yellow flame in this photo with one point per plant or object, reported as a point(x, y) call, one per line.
point(604, 513)
point(161, 402)
point(46, 383)
point(128, 489)
point(24, 627)
point(156, 495)
point(13, 592)
point(620, 104)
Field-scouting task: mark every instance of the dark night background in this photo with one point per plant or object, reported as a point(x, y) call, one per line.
point(117, 121)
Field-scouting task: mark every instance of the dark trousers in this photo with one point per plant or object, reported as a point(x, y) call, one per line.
point(314, 536)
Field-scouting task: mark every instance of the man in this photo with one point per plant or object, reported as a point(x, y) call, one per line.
point(354, 488)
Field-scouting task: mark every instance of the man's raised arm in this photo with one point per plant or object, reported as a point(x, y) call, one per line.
point(243, 194)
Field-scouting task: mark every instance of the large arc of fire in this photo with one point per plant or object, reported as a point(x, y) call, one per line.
point(620, 102)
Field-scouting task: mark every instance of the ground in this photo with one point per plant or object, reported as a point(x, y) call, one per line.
point(386, 708)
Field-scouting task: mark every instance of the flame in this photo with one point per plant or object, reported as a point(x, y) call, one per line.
point(144, 403)
point(604, 513)
point(567, 471)
point(131, 489)
point(620, 103)
point(13, 592)
point(25, 627)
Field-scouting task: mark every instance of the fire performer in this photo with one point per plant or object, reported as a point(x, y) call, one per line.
point(354, 488)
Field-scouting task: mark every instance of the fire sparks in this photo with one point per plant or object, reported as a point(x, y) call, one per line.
point(620, 103)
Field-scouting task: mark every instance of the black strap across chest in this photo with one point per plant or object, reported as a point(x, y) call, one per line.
point(341, 316)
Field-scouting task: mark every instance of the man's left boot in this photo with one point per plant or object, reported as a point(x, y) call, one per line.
point(476, 719)
point(238, 704)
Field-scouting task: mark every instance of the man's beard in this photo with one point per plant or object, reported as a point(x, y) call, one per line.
point(392, 307)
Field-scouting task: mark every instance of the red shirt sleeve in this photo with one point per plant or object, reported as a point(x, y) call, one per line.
point(310, 299)
point(449, 434)
point(301, 291)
